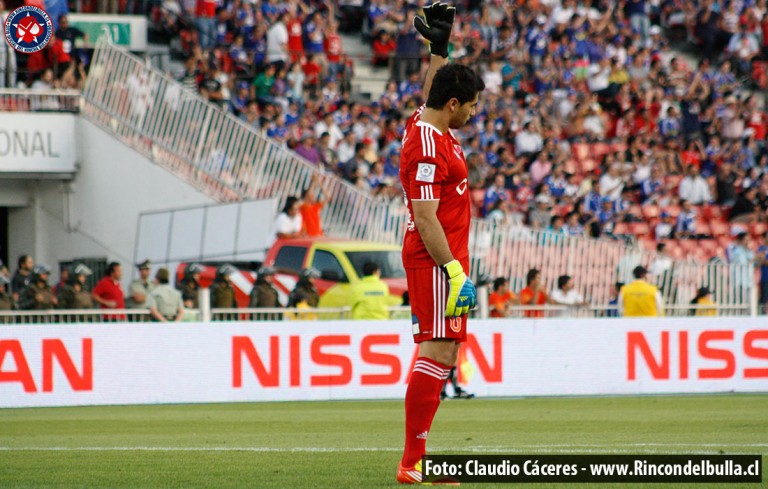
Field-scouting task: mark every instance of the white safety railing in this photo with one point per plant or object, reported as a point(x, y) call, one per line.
point(230, 160)
point(25, 100)
point(339, 313)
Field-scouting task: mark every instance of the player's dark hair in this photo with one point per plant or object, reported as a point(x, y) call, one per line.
point(562, 280)
point(454, 81)
point(22, 260)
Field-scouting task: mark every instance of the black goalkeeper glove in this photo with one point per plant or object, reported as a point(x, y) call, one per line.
point(436, 27)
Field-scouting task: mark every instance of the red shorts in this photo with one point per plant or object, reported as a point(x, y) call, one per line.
point(428, 290)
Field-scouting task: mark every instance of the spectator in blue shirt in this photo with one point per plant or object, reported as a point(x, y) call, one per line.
point(685, 226)
point(495, 192)
point(593, 201)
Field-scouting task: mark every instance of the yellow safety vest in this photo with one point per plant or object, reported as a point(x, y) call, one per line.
point(370, 299)
point(639, 298)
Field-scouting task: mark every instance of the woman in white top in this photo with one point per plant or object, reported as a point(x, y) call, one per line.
point(289, 223)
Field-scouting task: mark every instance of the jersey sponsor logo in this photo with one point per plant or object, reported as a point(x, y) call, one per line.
point(28, 29)
point(426, 173)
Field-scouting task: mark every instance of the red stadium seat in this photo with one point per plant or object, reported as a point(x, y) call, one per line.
point(621, 228)
point(640, 228)
point(588, 165)
point(673, 181)
point(724, 241)
point(600, 149)
point(650, 211)
point(709, 245)
point(712, 212)
point(672, 210)
point(648, 244)
point(703, 228)
point(718, 228)
point(581, 151)
point(674, 249)
point(758, 229)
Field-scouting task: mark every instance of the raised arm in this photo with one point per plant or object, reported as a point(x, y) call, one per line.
point(435, 26)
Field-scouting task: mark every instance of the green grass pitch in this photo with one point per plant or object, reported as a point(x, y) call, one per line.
point(356, 443)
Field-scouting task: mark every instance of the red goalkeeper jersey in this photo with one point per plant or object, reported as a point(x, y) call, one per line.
point(432, 167)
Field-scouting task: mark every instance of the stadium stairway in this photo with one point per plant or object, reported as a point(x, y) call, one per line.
point(369, 82)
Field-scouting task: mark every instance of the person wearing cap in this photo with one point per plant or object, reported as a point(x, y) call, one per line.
point(264, 293)
point(141, 287)
point(75, 295)
point(639, 298)
point(190, 286)
point(38, 295)
point(703, 305)
point(166, 303)
point(222, 291)
point(23, 276)
point(306, 286)
point(370, 296)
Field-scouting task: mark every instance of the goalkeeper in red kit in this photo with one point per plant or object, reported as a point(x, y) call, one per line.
point(433, 173)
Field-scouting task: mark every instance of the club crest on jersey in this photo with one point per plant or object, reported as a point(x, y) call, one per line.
point(457, 150)
point(426, 173)
point(28, 29)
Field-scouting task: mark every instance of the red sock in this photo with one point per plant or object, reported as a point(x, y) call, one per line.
point(422, 399)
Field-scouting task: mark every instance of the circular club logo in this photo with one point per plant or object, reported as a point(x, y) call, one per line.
point(28, 29)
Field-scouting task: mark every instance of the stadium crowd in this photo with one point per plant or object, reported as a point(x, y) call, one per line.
point(591, 123)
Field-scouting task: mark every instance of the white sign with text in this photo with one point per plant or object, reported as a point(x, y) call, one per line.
point(91, 364)
point(37, 143)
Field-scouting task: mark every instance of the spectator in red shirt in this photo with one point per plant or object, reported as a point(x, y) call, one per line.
point(333, 50)
point(312, 72)
point(109, 292)
point(534, 294)
point(383, 47)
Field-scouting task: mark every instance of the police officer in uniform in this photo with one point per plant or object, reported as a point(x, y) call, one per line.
point(264, 293)
point(38, 296)
point(306, 285)
point(190, 286)
point(140, 288)
point(222, 291)
point(75, 295)
point(167, 304)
